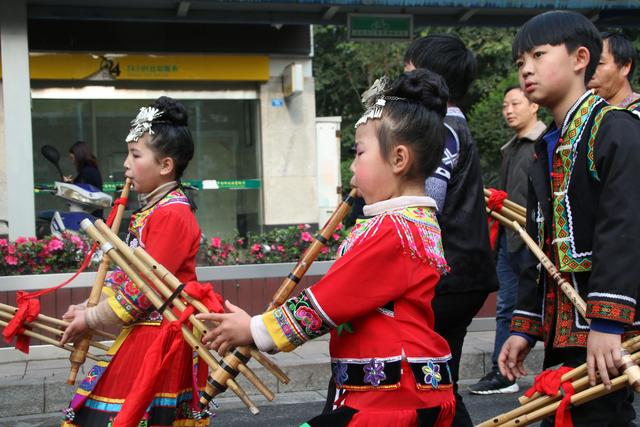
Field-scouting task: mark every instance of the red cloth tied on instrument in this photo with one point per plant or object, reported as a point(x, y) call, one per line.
point(496, 199)
point(159, 356)
point(549, 382)
point(29, 305)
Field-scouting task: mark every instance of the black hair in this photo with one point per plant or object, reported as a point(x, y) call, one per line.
point(415, 120)
point(82, 155)
point(622, 51)
point(560, 27)
point(512, 87)
point(446, 55)
point(171, 136)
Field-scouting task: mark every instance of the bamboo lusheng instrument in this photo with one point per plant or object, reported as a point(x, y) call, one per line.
point(51, 341)
point(632, 345)
point(165, 275)
point(508, 213)
point(77, 357)
point(577, 399)
point(158, 303)
point(166, 288)
point(516, 208)
point(631, 369)
point(288, 284)
point(52, 321)
point(43, 327)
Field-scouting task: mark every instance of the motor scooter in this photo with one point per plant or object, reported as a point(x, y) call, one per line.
point(82, 200)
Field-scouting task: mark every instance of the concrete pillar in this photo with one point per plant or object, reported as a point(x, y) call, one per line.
point(18, 152)
point(288, 149)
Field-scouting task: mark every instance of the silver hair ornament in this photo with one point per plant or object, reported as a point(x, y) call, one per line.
point(142, 123)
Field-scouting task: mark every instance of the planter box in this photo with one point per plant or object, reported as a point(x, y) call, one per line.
point(248, 286)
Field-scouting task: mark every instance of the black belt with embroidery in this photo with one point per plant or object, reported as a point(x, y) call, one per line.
point(385, 374)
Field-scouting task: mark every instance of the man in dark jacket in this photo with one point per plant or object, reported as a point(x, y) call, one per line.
point(457, 188)
point(518, 154)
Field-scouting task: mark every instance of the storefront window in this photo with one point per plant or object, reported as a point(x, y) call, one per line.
point(226, 140)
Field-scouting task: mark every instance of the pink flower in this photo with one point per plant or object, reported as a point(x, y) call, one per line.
point(255, 248)
point(11, 260)
point(55, 245)
point(77, 241)
point(324, 250)
point(280, 248)
point(240, 241)
point(32, 239)
point(306, 237)
point(340, 226)
point(3, 243)
point(20, 240)
point(335, 236)
point(46, 268)
point(216, 242)
point(11, 249)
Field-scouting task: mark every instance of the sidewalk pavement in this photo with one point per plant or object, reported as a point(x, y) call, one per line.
point(35, 386)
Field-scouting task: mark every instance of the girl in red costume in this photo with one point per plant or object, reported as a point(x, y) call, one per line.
point(389, 365)
point(160, 148)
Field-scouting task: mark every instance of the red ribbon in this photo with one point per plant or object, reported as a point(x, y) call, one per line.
point(549, 382)
point(29, 306)
point(496, 199)
point(160, 356)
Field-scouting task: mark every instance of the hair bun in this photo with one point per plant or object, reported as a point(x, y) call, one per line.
point(424, 87)
point(172, 111)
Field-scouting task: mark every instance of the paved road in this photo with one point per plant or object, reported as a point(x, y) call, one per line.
point(481, 408)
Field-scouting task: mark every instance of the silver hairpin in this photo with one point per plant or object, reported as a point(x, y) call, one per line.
point(374, 100)
point(142, 123)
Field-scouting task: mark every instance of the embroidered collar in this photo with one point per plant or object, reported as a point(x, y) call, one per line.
point(569, 116)
point(630, 99)
point(398, 203)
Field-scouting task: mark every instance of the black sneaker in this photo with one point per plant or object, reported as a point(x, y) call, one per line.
point(494, 383)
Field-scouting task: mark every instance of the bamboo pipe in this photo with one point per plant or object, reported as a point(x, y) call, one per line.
point(509, 204)
point(576, 400)
point(290, 282)
point(508, 213)
point(52, 321)
point(51, 341)
point(631, 345)
point(77, 357)
point(311, 253)
point(164, 289)
point(578, 385)
point(157, 302)
point(160, 271)
point(44, 328)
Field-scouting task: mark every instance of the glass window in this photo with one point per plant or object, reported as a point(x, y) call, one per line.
point(226, 137)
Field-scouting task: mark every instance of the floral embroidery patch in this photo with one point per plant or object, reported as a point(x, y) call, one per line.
point(340, 373)
point(431, 373)
point(374, 372)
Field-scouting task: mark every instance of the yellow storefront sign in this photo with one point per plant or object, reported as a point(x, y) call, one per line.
point(148, 67)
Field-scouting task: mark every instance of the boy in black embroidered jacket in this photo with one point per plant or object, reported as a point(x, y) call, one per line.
point(582, 207)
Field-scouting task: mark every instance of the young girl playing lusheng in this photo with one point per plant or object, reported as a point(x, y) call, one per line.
point(388, 363)
point(160, 148)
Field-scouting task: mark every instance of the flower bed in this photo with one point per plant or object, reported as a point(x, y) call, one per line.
point(278, 245)
point(59, 254)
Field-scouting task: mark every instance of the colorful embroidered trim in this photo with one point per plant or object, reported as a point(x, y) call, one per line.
point(139, 219)
point(297, 321)
point(563, 161)
point(429, 249)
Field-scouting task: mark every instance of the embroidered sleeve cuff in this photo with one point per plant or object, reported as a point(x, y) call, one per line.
point(279, 330)
point(526, 325)
point(260, 335)
point(609, 310)
point(120, 311)
point(607, 326)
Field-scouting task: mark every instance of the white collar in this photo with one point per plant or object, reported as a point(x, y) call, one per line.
point(398, 203)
